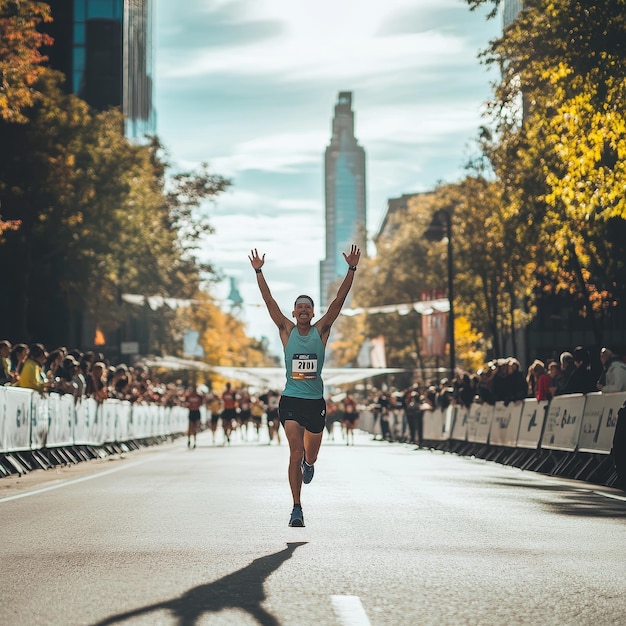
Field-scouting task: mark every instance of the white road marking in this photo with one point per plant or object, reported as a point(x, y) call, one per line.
point(613, 496)
point(67, 483)
point(349, 611)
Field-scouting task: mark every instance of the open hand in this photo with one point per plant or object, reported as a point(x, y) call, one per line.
point(353, 257)
point(256, 260)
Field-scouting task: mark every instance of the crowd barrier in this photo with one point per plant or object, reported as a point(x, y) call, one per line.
point(41, 429)
point(569, 436)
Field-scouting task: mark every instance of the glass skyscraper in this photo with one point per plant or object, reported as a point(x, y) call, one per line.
point(104, 48)
point(510, 11)
point(345, 196)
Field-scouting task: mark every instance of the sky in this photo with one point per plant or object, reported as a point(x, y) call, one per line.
point(249, 87)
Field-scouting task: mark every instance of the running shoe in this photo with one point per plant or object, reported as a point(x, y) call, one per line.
point(307, 472)
point(297, 519)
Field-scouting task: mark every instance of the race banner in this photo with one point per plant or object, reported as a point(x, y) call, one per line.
point(531, 423)
point(122, 425)
point(479, 422)
point(433, 425)
point(599, 421)
point(459, 430)
point(17, 423)
point(563, 422)
point(505, 424)
point(40, 419)
point(61, 409)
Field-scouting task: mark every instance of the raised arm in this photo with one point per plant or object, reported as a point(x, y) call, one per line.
point(284, 324)
point(327, 320)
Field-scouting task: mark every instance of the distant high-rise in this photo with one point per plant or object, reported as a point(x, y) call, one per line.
point(345, 196)
point(510, 11)
point(104, 48)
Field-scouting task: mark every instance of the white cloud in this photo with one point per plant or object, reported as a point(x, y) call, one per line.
point(250, 86)
point(282, 152)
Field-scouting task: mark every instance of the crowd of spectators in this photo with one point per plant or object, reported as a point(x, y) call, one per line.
point(400, 412)
point(82, 374)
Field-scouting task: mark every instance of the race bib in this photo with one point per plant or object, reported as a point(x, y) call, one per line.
point(304, 367)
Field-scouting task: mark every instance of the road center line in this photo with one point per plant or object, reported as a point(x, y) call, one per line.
point(349, 611)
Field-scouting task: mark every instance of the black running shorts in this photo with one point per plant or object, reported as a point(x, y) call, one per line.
point(311, 414)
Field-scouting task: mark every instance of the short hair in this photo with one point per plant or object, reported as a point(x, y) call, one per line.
point(566, 357)
point(305, 297)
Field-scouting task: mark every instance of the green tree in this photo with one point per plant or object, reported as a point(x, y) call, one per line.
point(20, 58)
point(222, 335)
point(560, 144)
point(96, 220)
point(403, 268)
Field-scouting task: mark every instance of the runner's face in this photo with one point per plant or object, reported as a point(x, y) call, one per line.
point(303, 311)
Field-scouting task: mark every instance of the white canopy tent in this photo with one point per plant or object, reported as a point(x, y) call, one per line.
point(274, 377)
point(270, 377)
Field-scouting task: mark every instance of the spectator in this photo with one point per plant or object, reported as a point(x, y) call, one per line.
point(465, 391)
point(32, 376)
point(567, 369)
point(615, 371)
point(518, 388)
point(618, 451)
point(18, 357)
point(553, 371)
point(119, 383)
point(484, 388)
point(64, 379)
point(500, 383)
point(5, 363)
point(540, 381)
point(382, 408)
point(52, 363)
point(582, 379)
point(96, 382)
point(414, 414)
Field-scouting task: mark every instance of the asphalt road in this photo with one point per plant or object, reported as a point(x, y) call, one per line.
point(393, 536)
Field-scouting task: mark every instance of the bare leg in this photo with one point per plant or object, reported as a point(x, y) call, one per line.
point(312, 443)
point(295, 436)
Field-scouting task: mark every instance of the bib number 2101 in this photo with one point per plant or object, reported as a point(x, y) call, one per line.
point(304, 367)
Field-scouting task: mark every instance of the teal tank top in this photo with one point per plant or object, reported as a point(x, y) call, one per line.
point(304, 359)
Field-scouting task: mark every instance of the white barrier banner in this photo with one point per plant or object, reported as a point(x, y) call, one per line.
point(18, 417)
point(158, 426)
point(366, 421)
point(180, 420)
point(479, 422)
point(109, 419)
point(459, 430)
point(505, 424)
point(122, 425)
point(40, 419)
point(599, 421)
point(433, 425)
point(85, 416)
point(139, 422)
point(96, 425)
point(3, 415)
point(61, 409)
point(563, 422)
point(531, 423)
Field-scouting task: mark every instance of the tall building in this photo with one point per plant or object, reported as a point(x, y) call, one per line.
point(104, 48)
point(345, 196)
point(510, 11)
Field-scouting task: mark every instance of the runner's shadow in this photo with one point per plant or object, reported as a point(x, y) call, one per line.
point(240, 590)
